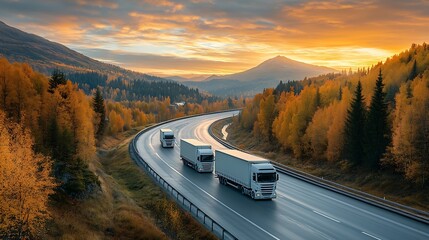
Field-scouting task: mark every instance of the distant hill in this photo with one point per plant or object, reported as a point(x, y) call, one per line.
point(187, 77)
point(265, 75)
point(44, 55)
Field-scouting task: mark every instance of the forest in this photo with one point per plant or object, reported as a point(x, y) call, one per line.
point(48, 138)
point(375, 118)
point(139, 89)
point(49, 129)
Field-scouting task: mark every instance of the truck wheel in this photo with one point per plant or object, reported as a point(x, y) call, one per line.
point(253, 195)
point(220, 180)
point(243, 191)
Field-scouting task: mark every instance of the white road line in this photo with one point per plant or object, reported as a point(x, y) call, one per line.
point(374, 215)
point(232, 210)
point(369, 235)
point(326, 216)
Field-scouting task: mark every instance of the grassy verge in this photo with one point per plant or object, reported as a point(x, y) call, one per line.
point(385, 184)
point(130, 206)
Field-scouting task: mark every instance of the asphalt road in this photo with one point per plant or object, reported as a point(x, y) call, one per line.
point(301, 210)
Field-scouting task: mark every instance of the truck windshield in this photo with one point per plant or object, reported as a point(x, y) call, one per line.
point(168, 136)
point(206, 158)
point(267, 177)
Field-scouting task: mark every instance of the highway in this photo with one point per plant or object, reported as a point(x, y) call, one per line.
point(301, 210)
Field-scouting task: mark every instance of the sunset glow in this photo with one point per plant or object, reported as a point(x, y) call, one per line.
point(220, 37)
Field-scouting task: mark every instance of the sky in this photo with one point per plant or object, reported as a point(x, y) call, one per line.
point(175, 37)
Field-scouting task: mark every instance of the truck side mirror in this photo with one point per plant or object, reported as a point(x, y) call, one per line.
point(277, 176)
point(254, 177)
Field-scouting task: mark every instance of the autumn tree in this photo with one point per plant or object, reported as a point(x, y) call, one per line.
point(57, 78)
point(25, 183)
point(100, 111)
point(267, 113)
point(282, 123)
point(410, 143)
point(116, 123)
point(315, 136)
point(377, 128)
point(304, 109)
point(354, 137)
point(335, 134)
point(74, 142)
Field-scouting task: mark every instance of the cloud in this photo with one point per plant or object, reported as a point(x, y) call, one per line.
point(151, 62)
point(227, 33)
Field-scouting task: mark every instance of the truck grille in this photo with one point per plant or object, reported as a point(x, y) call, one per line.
point(267, 189)
point(207, 167)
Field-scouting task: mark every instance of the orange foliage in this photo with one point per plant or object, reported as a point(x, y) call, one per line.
point(25, 183)
point(410, 146)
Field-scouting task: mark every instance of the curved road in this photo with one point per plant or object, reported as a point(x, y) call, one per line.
point(301, 210)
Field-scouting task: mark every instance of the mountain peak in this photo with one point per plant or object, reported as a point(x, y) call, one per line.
point(278, 68)
point(279, 57)
point(280, 60)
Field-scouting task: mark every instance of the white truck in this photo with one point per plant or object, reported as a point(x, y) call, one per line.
point(166, 136)
point(253, 175)
point(197, 155)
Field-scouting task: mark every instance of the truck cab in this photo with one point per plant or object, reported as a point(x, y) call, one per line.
point(205, 160)
point(166, 137)
point(197, 155)
point(264, 178)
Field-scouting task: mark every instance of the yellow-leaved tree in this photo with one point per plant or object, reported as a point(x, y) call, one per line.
point(25, 183)
point(410, 143)
point(266, 114)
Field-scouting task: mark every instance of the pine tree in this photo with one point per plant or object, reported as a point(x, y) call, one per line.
point(353, 131)
point(413, 73)
point(317, 100)
point(100, 110)
point(377, 129)
point(57, 78)
point(340, 94)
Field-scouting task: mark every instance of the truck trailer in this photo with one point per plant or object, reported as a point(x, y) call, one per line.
point(166, 137)
point(197, 155)
point(252, 175)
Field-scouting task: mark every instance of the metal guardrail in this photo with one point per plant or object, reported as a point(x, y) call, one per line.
point(406, 211)
point(184, 202)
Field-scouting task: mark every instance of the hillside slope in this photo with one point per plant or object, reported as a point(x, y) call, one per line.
point(44, 55)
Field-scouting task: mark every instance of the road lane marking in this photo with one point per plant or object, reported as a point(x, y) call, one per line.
point(326, 216)
point(375, 215)
point(211, 196)
point(369, 235)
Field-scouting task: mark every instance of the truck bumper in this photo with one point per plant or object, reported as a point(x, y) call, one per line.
point(264, 196)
